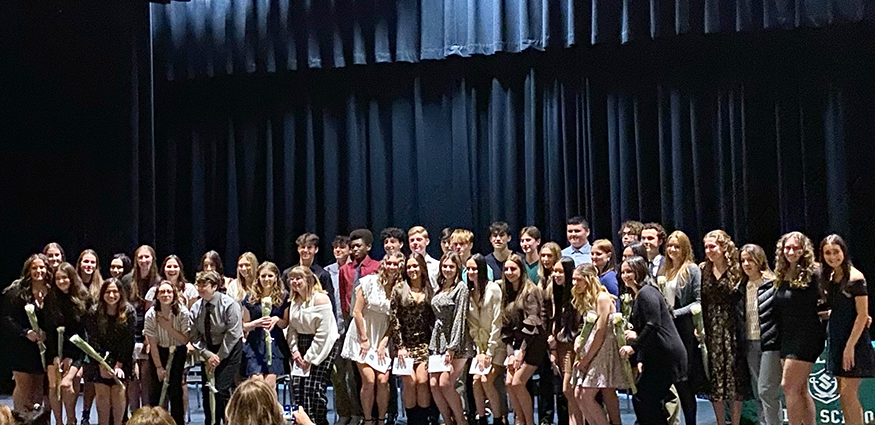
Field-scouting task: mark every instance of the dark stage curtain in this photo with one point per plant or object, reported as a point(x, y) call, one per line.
point(223, 37)
point(758, 140)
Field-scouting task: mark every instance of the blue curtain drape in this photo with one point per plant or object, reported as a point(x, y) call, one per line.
point(222, 37)
point(757, 149)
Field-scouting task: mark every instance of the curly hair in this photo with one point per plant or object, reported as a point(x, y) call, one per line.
point(256, 291)
point(730, 253)
point(585, 296)
point(805, 267)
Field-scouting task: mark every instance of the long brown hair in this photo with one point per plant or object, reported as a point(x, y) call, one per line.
point(670, 269)
point(24, 285)
point(254, 402)
point(77, 293)
point(96, 279)
point(514, 298)
point(805, 267)
point(442, 280)
point(174, 305)
point(102, 307)
point(845, 266)
point(139, 285)
point(730, 252)
point(401, 291)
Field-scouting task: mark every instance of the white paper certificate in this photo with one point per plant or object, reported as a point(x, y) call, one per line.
point(437, 363)
point(404, 368)
point(475, 368)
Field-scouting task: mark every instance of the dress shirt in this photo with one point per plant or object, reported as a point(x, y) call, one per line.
point(434, 267)
point(655, 264)
point(580, 256)
point(226, 325)
point(347, 277)
point(181, 322)
point(333, 270)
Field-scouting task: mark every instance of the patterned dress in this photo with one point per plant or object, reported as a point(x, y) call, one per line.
point(412, 326)
point(451, 326)
point(722, 324)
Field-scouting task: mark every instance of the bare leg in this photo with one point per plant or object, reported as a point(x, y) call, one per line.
point(492, 393)
point(511, 395)
point(594, 413)
point(800, 405)
point(612, 404)
point(850, 400)
point(118, 403)
point(423, 395)
point(408, 393)
point(69, 399)
point(524, 400)
point(439, 400)
point(719, 411)
point(735, 412)
point(366, 395)
point(104, 402)
point(382, 394)
point(55, 401)
point(447, 386)
point(88, 399)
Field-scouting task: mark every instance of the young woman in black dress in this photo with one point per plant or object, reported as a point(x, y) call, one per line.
point(850, 348)
point(27, 369)
point(67, 305)
point(111, 329)
point(412, 323)
point(662, 358)
point(797, 302)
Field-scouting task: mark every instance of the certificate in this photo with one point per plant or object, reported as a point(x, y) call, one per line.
point(475, 368)
point(373, 360)
point(403, 368)
point(437, 363)
point(297, 371)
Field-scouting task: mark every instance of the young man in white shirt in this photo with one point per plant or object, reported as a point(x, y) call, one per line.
point(652, 237)
point(417, 239)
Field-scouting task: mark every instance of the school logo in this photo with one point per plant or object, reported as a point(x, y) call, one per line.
point(823, 388)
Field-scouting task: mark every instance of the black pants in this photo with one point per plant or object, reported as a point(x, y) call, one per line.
point(224, 375)
point(174, 389)
point(653, 387)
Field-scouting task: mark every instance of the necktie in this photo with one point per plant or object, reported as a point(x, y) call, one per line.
point(358, 275)
point(208, 324)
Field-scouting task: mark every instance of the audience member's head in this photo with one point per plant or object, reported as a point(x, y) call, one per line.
point(150, 415)
point(254, 402)
point(39, 415)
point(6, 417)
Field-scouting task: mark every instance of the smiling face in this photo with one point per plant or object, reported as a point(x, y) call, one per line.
point(558, 274)
point(832, 255)
point(165, 294)
point(267, 277)
point(205, 289)
point(112, 295)
point(714, 250)
point(144, 260)
point(578, 280)
point(244, 267)
point(413, 271)
point(171, 269)
point(600, 258)
point(529, 244)
point(116, 268)
point(499, 241)
point(298, 284)
point(650, 240)
point(792, 250)
point(471, 270)
point(62, 281)
point(512, 271)
point(749, 265)
point(576, 234)
point(307, 253)
point(55, 257)
point(628, 253)
point(38, 270)
point(448, 269)
point(341, 253)
point(88, 264)
point(628, 275)
point(392, 245)
point(418, 242)
point(673, 250)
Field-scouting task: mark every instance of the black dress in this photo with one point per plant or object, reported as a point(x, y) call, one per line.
point(23, 353)
point(114, 340)
point(60, 311)
point(801, 332)
point(841, 322)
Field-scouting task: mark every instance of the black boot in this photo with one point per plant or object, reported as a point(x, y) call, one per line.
point(432, 414)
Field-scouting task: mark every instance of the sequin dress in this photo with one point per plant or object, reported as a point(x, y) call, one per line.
point(451, 326)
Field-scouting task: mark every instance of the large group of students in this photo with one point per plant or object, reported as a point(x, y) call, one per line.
point(462, 336)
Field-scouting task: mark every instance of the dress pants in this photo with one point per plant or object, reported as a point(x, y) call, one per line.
point(174, 389)
point(225, 375)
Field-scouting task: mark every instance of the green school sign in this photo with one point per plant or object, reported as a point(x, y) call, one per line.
point(825, 391)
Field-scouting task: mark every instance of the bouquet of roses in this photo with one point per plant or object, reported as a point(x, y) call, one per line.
point(580, 344)
point(619, 333)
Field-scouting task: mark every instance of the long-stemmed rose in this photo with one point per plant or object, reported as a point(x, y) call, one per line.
point(580, 344)
point(91, 352)
point(58, 374)
point(211, 384)
point(30, 309)
point(619, 333)
point(166, 383)
point(626, 307)
point(660, 283)
point(698, 320)
point(266, 307)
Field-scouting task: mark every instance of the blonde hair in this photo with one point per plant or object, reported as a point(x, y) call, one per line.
point(6, 415)
point(585, 299)
point(151, 415)
point(417, 229)
point(671, 270)
point(462, 236)
point(254, 402)
point(805, 267)
point(256, 291)
point(313, 284)
point(253, 264)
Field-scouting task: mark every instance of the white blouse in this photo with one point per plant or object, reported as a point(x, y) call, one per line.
point(317, 320)
point(484, 324)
